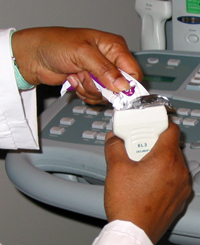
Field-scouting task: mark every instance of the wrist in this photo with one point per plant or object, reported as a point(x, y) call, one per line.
point(21, 82)
point(22, 48)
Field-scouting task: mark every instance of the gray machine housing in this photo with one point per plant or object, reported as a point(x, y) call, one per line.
point(186, 25)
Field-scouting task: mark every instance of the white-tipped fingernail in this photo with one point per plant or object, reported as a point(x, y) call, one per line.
point(121, 84)
point(72, 81)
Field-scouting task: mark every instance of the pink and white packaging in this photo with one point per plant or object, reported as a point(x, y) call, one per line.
point(120, 101)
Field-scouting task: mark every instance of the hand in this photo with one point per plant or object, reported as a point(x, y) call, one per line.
point(150, 193)
point(48, 55)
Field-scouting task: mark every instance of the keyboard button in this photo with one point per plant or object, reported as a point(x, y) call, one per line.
point(109, 125)
point(193, 87)
point(195, 113)
point(190, 122)
point(89, 134)
point(183, 111)
point(197, 178)
point(153, 60)
point(173, 62)
point(192, 165)
point(195, 80)
point(57, 130)
point(79, 109)
point(197, 74)
point(67, 121)
point(93, 110)
point(99, 125)
point(108, 113)
point(195, 145)
point(101, 136)
point(177, 120)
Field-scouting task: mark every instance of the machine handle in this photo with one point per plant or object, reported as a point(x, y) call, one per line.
point(73, 196)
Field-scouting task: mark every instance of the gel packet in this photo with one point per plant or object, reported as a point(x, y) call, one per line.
point(122, 100)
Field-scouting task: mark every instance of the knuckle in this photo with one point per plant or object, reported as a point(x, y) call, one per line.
point(83, 48)
point(105, 68)
point(120, 40)
point(119, 46)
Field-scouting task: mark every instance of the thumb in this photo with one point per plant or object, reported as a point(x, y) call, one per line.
point(115, 151)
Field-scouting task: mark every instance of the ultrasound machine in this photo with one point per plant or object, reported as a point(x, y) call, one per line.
point(69, 170)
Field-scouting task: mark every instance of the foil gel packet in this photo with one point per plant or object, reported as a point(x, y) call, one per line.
point(120, 101)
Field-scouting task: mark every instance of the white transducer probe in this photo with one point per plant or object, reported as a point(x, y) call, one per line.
point(140, 128)
point(154, 14)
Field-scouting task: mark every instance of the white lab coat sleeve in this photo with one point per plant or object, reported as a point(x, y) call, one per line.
point(121, 232)
point(18, 114)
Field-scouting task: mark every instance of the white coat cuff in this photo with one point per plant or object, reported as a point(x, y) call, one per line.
point(122, 233)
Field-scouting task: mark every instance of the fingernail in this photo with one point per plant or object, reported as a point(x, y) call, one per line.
point(72, 81)
point(121, 83)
